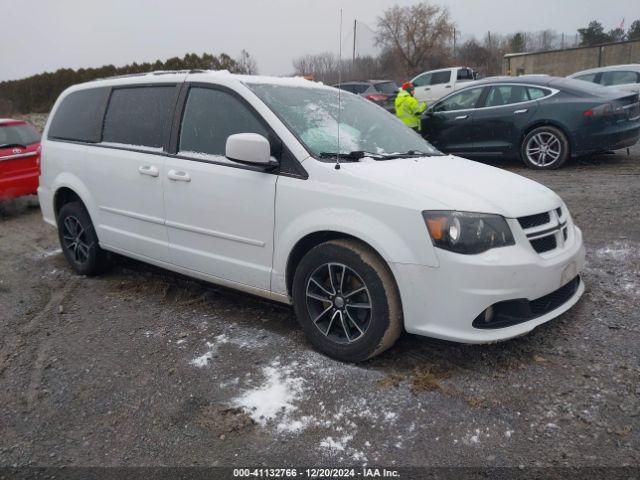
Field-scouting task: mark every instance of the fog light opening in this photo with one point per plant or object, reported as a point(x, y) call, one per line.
point(488, 314)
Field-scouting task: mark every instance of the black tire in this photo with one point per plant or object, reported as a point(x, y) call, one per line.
point(79, 241)
point(364, 334)
point(544, 148)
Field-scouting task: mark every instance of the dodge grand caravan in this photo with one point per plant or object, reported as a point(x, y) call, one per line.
point(279, 188)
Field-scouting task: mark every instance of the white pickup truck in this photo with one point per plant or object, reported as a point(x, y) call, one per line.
point(435, 84)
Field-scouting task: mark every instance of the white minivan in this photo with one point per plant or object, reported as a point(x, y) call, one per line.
point(253, 183)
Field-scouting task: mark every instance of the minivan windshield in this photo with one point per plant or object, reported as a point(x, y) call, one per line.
point(311, 113)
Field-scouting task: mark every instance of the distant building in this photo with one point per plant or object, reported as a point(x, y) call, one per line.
point(566, 61)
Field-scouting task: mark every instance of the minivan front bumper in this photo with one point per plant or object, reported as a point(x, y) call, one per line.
point(444, 301)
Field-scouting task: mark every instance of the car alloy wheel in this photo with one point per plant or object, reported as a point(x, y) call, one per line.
point(543, 149)
point(75, 239)
point(339, 303)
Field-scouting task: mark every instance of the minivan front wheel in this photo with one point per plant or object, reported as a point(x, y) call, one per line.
point(346, 301)
point(545, 148)
point(79, 241)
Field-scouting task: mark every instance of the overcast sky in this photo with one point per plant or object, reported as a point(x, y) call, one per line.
point(44, 35)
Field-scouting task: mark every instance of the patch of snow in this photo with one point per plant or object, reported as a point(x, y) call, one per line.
point(131, 147)
point(295, 426)
point(337, 445)
point(233, 381)
point(274, 398)
point(204, 359)
point(52, 253)
point(617, 250)
point(472, 438)
point(281, 81)
point(390, 416)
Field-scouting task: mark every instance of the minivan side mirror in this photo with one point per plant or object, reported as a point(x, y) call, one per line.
point(249, 148)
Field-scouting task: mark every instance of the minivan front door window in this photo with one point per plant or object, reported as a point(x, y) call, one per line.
point(210, 117)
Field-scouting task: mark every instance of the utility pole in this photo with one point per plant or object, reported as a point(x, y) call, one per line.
point(454, 41)
point(355, 27)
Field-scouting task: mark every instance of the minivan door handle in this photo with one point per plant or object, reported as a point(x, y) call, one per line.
point(178, 175)
point(148, 170)
point(462, 117)
point(518, 112)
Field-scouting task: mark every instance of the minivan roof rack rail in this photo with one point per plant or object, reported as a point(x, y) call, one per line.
point(154, 72)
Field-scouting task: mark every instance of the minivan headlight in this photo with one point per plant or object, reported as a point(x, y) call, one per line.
point(467, 233)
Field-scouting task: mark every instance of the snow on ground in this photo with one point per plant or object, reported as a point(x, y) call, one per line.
point(618, 250)
point(274, 398)
point(204, 359)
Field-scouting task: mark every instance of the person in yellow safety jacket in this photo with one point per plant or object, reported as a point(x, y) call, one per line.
point(408, 109)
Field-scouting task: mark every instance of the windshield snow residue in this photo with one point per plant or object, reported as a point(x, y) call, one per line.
point(313, 115)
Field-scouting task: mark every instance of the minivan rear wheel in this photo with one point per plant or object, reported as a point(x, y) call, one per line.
point(544, 148)
point(79, 241)
point(346, 300)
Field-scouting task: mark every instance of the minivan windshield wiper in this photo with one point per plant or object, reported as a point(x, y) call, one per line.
point(354, 155)
point(411, 154)
point(358, 154)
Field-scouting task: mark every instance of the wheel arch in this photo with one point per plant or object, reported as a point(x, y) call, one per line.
point(311, 240)
point(68, 188)
point(545, 123)
point(63, 196)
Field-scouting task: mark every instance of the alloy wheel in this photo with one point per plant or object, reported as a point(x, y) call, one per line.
point(543, 149)
point(338, 302)
point(75, 239)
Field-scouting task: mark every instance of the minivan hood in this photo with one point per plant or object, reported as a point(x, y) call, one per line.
point(454, 183)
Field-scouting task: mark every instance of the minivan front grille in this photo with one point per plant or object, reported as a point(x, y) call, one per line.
point(534, 220)
point(544, 244)
point(546, 231)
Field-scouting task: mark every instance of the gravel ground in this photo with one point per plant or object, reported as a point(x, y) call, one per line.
point(145, 367)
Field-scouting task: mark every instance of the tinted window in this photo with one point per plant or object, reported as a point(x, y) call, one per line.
point(138, 116)
point(79, 116)
point(536, 93)
point(210, 116)
point(422, 80)
point(619, 78)
point(465, 74)
point(359, 87)
point(580, 88)
point(460, 101)
point(440, 77)
point(345, 86)
point(386, 87)
point(589, 77)
point(18, 134)
point(505, 95)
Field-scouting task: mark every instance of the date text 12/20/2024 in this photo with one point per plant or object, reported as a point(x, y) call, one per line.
point(363, 472)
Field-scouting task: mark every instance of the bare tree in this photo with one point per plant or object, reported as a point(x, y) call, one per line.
point(414, 33)
point(323, 66)
point(247, 64)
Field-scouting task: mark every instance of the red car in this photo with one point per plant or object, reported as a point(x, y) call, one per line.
point(19, 158)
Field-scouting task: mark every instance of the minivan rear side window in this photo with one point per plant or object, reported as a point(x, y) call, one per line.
point(79, 116)
point(210, 116)
point(139, 116)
